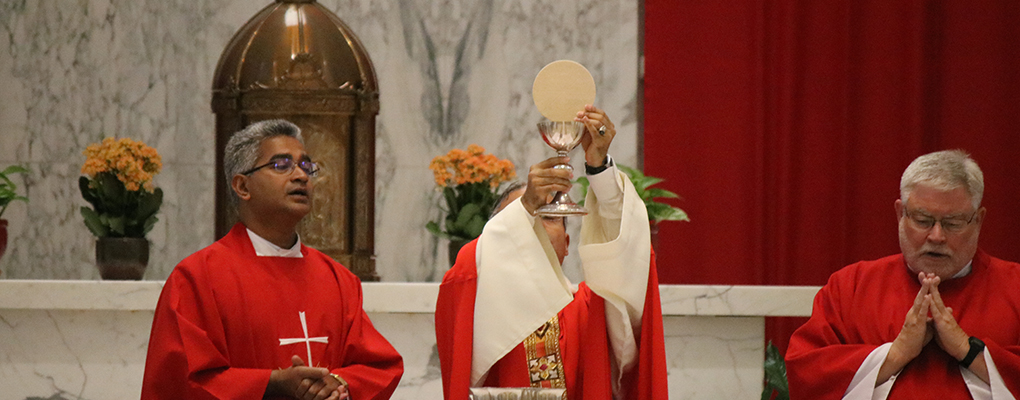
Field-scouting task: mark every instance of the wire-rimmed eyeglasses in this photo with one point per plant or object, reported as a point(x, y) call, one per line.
point(951, 224)
point(285, 165)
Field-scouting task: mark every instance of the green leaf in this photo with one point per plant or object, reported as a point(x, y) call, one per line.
point(116, 224)
point(675, 214)
point(659, 212)
point(775, 374)
point(149, 223)
point(644, 182)
point(657, 192)
point(475, 226)
point(451, 200)
point(584, 183)
point(86, 191)
point(7, 183)
point(631, 172)
point(466, 214)
point(94, 223)
point(434, 229)
point(14, 169)
point(112, 192)
point(149, 203)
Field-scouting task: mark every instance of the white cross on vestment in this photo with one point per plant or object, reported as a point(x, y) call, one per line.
point(307, 340)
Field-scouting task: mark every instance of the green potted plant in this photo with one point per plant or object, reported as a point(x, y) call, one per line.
point(8, 194)
point(657, 212)
point(469, 180)
point(775, 375)
point(117, 182)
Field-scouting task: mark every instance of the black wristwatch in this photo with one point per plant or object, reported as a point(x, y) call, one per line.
point(606, 163)
point(976, 347)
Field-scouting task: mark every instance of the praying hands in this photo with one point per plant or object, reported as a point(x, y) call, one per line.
point(928, 319)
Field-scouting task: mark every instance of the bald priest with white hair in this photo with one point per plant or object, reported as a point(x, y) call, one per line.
point(941, 320)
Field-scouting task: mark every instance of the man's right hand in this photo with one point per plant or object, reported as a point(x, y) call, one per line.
point(297, 380)
point(915, 334)
point(543, 181)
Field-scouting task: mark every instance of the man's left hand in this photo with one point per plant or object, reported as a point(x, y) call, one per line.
point(948, 334)
point(324, 388)
point(594, 142)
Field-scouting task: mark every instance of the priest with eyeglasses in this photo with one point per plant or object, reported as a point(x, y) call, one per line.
point(941, 320)
point(257, 314)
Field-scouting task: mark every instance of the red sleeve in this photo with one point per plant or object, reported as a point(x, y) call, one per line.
point(455, 318)
point(1007, 361)
point(820, 365)
point(371, 366)
point(1005, 348)
point(648, 380)
point(187, 348)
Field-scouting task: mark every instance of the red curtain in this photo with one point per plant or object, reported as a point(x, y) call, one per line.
point(785, 126)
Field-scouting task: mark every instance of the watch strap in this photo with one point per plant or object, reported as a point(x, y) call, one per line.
point(976, 347)
point(606, 163)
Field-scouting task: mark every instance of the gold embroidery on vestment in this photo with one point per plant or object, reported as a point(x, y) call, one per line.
point(542, 348)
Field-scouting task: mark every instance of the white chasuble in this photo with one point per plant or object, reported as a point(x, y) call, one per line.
point(521, 284)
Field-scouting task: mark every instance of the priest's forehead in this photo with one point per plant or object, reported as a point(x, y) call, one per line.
point(276, 154)
point(513, 192)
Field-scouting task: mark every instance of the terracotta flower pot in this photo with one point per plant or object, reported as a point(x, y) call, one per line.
point(122, 258)
point(3, 237)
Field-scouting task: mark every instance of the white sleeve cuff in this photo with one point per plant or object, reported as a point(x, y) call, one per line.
point(994, 389)
point(862, 386)
point(608, 189)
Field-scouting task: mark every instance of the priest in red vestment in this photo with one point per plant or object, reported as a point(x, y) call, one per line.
point(941, 320)
point(257, 314)
point(506, 315)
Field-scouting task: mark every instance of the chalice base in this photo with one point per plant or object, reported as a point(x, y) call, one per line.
point(562, 206)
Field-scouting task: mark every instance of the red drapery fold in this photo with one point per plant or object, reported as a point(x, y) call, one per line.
point(786, 125)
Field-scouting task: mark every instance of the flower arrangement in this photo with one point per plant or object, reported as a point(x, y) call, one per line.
point(469, 180)
point(118, 184)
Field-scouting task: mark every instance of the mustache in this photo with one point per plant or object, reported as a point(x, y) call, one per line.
point(935, 250)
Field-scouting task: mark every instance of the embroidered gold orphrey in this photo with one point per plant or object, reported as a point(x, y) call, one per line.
point(545, 366)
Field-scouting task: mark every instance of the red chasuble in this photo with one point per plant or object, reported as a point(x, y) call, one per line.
point(863, 306)
point(583, 342)
point(223, 312)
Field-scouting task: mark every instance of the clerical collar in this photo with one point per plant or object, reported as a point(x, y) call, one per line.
point(963, 272)
point(265, 248)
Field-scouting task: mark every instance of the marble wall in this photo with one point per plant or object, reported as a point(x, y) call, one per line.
point(451, 73)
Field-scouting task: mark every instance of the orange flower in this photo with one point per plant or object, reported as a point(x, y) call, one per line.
point(459, 167)
point(132, 162)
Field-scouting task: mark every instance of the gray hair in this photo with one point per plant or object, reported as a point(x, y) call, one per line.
point(507, 191)
point(242, 150)
point(945, 170)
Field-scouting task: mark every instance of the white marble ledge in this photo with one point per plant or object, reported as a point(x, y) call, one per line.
point(413, 298)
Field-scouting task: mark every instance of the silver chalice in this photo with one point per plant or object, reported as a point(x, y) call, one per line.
point(562, 136)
